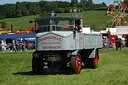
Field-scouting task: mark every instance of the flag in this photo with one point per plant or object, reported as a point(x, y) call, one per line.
point(71, 11)
point(124, 6)
point(79, 10)
point(75, 10)
point(111, 5)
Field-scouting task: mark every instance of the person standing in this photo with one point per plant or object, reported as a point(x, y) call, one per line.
point(117, 42)
point(11, 47)
point(120, 41)
point(3, 46)
point(30, 45)
point(17, 45)
point(104, 42)
point(123, 40)
point(22, 45)
point(14, 45)
point(127, 40)
point(108, 43)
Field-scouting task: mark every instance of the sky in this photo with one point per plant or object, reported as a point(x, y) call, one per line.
point(14, 1)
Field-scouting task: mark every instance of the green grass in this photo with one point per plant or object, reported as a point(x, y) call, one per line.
point(21, 23)
point(15, 69)
point(98, 18)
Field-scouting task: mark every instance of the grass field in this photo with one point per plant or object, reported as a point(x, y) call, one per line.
point(15, 69)
point(21, 23)
point(98, 18)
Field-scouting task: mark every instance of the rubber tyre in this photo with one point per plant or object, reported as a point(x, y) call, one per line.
point(76, 63)
point(37, 66)
point(95, 61)
point(92, 62)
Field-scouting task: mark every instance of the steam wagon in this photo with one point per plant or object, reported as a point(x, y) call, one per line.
point(58, 44)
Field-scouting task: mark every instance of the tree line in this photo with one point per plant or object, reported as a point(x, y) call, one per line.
point(43, 7)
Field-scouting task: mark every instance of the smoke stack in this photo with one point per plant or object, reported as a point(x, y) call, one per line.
point(53, 14)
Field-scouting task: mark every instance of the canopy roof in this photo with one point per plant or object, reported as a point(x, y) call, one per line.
point(118, 33)
point(22, 35)
point(57, 18)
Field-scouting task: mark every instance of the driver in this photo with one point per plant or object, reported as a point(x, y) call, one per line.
point(77, 25)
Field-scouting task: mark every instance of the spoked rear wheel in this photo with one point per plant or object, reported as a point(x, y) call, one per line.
point(76, 63)
point(95, 61)
point(92, 62)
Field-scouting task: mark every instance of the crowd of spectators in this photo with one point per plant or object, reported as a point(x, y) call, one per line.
point(120, 42)
point(23, 45)
point(16, 46)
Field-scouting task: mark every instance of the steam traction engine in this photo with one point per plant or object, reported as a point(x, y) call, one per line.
point(58, 44)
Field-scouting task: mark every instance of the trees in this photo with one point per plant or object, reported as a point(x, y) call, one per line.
point(101, 6)
point(126, 2)
point(25, 11)
point(63, 4)
point(33, 8)
point(1, 16)
point(83, 1)
point(74, 3)
point(44, 14)
point(3, 25)
point(3, 11)
point(89, 5)
point(18, 9)
point(82, 6)
point(10, 11)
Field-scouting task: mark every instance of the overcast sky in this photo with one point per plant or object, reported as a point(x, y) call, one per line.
point(14, 1)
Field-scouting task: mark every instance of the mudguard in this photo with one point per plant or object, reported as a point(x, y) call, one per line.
point(33, 53)
point(75, 52)
point(92, 55)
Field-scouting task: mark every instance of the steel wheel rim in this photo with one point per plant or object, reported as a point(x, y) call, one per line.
point(78, 63)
